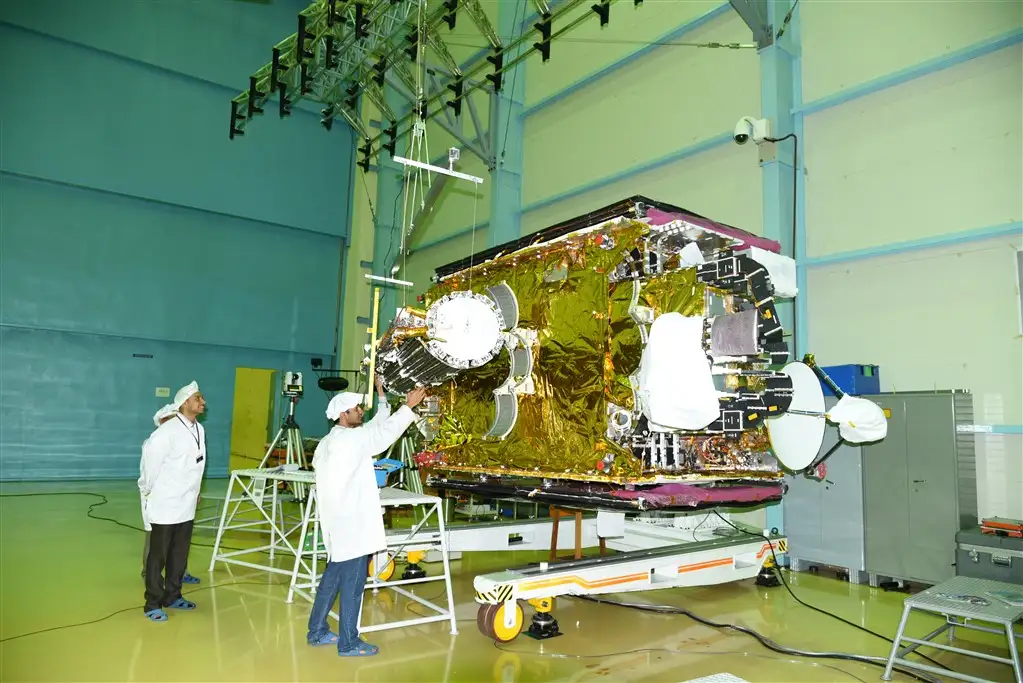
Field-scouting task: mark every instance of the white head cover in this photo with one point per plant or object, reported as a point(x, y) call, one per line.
point(185, 393)
point(164, 413)
point(344, 401)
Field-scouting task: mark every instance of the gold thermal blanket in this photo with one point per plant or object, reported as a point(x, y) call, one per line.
point(587, 348)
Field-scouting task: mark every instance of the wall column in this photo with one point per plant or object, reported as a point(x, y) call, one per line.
point(506, 134)
point(780, 93)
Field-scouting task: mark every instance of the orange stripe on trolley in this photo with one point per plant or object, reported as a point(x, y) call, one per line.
point(629, 578)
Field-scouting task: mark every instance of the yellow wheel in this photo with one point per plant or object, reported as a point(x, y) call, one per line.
point(491, 623)
point(386, 574)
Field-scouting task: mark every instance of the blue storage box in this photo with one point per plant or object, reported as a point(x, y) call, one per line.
point(385, 467)
point(855, 380)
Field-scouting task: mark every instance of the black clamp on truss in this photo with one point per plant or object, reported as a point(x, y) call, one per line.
point(276, 69)
point(365, 150)
point(235, 118)
point(256, 98)
point(352, 92)
point(379, 70)
point(603, 10)
point(361, 22)
point(450, 15)
point(457, 87)
point(284, 109)
point(305, 85)
point(497, 59)
point(413, 48)
point(392, 138)
point(328, 117)
point(544, 45)
point(330, 55)
point(302, 35)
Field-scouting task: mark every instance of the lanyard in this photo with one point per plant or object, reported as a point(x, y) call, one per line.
point(194, 435)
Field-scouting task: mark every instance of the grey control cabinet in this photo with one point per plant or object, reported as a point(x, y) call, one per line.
point(824, 519)
point(893, 508)
point(919, 486)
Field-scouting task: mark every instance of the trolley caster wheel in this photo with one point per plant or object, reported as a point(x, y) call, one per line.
point(385, 575)
point(490, 621)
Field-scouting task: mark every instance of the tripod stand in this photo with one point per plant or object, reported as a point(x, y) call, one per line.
point(294, 450)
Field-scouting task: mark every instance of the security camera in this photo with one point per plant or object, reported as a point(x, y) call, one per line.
point(749, 127)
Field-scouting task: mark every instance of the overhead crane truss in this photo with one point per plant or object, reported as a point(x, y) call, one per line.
point(345, 49)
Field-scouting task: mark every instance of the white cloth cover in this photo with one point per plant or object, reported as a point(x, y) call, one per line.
point(341, 403)
point(676, 387)
point(346, 486)
point(782, 270)
point(859, 420)
point(691, 255)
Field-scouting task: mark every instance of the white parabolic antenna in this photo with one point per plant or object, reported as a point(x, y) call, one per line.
point(796, 439)
point(466, 328)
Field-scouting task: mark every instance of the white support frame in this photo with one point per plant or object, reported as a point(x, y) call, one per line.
point(305, 576)
point(252, 484)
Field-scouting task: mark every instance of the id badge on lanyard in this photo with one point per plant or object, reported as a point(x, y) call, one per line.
point(195, 437)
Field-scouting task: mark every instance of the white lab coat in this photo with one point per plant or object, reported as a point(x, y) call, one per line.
point(173, 462)
point(351, 519)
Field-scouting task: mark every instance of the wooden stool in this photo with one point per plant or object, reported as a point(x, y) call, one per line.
point(556, 514)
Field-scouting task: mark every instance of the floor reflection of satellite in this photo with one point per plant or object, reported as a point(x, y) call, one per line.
point(623, 359)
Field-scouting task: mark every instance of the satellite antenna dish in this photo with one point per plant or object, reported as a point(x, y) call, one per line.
point(797, 436)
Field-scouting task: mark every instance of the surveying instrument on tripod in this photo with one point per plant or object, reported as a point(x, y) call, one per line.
point(290, 434)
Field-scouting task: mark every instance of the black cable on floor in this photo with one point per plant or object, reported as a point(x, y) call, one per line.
point(673, 651)
point(818, 609)
point(128, 609)
point(762, 639)
point(103, 501)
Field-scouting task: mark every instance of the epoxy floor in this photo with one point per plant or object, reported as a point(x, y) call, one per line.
point(71, 595)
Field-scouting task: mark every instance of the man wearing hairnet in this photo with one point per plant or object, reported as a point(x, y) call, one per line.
point(162, 415)
point(173, 462)
point(349, 508)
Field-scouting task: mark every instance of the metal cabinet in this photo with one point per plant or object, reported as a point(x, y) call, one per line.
point(824, 519)
point(891, 509)
point(919, 486)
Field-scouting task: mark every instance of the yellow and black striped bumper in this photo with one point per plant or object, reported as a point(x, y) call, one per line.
point(495, 596)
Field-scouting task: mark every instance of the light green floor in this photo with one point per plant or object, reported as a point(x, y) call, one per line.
point(58, 567)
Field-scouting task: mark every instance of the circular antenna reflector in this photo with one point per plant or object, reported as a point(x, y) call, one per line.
point(465, 328)
point(796, 439)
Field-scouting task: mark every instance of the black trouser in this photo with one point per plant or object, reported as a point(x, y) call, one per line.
point(165, 565)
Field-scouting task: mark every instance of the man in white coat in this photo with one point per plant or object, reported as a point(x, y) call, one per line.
point(173, 462)
point(349, 508)
point(162, 415)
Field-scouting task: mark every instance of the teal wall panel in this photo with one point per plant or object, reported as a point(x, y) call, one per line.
point(140, 247)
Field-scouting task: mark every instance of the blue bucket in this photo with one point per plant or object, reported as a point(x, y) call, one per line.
point(384, 468)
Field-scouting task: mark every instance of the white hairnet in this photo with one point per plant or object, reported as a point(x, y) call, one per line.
point(185, 393)
point(344, 401)
point(164, 413)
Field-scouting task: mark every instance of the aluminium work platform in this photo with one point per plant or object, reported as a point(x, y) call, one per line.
point(305, 575)
point(960, 601)
point(252, 485)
